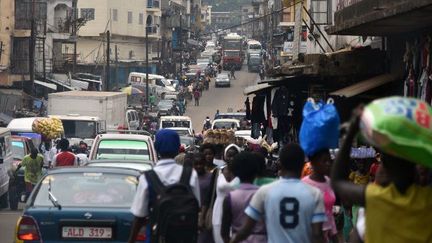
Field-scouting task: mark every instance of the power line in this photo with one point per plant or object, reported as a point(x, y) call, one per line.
point(253, 20)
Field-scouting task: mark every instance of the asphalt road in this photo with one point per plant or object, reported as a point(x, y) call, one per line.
point(8, 221)
point(212, 100)
point(222, 98)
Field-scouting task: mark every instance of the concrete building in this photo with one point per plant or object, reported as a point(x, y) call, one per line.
point(126, 21)
point(222, 20)
point(206, 15)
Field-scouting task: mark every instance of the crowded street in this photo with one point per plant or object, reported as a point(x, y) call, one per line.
point(211, 121)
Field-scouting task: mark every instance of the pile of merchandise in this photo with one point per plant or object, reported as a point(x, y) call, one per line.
point(49, 128)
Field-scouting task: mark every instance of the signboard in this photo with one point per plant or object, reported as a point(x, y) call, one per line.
point(288, 47)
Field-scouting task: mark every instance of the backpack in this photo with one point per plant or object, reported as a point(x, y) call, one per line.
point(173, 209)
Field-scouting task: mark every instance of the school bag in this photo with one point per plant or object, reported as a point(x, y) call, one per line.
point(173, 209)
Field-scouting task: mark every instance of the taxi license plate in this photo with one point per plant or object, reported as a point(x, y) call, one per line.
point(87, 232)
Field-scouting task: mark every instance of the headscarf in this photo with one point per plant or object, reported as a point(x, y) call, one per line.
point(232, 146)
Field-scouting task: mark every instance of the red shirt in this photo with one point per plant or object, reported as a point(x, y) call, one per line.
point(65, 158)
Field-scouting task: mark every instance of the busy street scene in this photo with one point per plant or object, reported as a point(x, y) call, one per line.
point(216, 121)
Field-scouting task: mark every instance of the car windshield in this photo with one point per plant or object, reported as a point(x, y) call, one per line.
point(18, 150)
point(182, 132)
point(123, 150)
point(232, 53)
point(97, 190)
point(255, 46)
point(79, 129)
point(188, 141)
point(222, 76)
point(255, 60)
point(175, 124)
point(224, 125)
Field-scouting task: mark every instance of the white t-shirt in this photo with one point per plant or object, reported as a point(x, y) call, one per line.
point(289, 208)
point(169, 172)
point(83, 159)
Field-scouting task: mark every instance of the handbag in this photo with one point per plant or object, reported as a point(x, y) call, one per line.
point(208, 217)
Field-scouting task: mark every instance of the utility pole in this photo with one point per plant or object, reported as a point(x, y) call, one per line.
point(147, 66)
point(43, 52)
point(74, 33)
point(181, 43)
point(107, 67)
point(116, 67)
point(32, 46)
point(297, 29)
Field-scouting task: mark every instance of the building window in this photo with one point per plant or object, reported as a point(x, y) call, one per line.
point(20, 55)
point(321, 12)
point(88, 13)
point(141, 19)
point(115, 15)
point(129, 17)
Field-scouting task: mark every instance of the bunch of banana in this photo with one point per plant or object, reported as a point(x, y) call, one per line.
point(48, 127)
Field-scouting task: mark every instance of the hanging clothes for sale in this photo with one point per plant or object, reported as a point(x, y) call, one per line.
point(280, 102)
point(248, 109)
point(257, 114)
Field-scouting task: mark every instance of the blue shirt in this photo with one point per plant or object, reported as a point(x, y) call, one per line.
point(289, 208)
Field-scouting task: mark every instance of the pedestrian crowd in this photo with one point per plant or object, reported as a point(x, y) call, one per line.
point(327, 196)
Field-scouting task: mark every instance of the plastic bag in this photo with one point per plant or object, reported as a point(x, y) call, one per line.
point(320, 127)
point(401, 127)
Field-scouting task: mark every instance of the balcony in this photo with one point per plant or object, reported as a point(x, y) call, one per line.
point(154, 32)
point(153, 5)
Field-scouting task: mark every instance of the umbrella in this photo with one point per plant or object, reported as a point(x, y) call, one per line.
point(131, 90)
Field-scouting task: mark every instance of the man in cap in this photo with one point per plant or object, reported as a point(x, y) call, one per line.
point(167, 145)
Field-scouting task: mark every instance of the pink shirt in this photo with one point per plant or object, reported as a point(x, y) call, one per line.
point(329, 201)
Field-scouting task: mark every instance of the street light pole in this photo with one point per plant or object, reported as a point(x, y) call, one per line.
point(181, 44)
point(147, 67)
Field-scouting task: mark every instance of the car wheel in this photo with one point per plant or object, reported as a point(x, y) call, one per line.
point(4, 200)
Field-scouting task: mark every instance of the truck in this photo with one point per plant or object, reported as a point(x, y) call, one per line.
point(253, 47)
point(232, 51)
point(254, 62)
point(84, 114)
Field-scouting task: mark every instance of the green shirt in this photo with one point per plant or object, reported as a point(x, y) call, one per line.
point(33, 168)
point(152, 99)
point(263, 181)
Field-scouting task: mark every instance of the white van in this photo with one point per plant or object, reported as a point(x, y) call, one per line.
point(23, 127)
point(176, 121)
point(157, 83)
point(6, 160)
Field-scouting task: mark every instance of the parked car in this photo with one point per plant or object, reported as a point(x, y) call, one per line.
point(123, 147)
point(164, 107)
point(81, 204)
point(231, 115)
point(226, 124)
point(222, 79)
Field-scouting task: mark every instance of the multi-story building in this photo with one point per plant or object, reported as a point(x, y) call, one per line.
point(206, 13)
point(126, 21)
point(52, 27)
point(247, 15)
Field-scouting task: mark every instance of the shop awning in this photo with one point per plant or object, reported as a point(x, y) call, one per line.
point(365, 85)
point(255, 88)
point(45, 84)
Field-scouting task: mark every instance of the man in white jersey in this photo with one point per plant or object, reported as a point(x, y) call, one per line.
point(292, 210)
